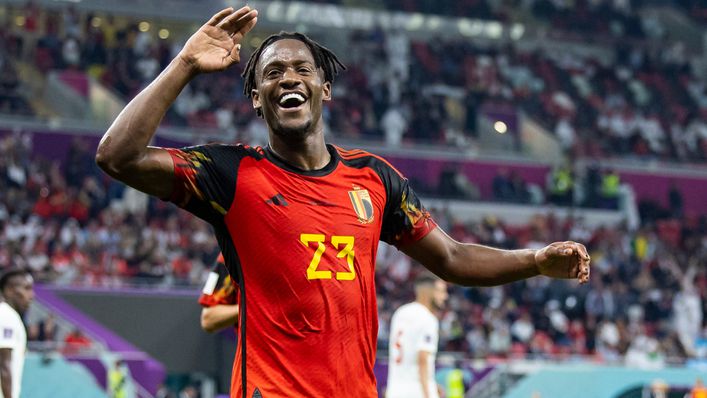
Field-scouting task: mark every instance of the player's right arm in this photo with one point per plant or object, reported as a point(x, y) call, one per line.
point(219, 299)
point(218, 317)
point(424, 371)
point(123, 152)
point(6, 371)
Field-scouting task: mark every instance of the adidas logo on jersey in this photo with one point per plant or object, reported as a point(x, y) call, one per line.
point(277, 200)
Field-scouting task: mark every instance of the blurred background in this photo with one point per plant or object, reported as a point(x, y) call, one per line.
point(519, 122)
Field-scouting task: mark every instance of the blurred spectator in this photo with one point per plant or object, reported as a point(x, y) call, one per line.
point(45, 331)
point(675, 201)
point(610, 184)
point(502, 186)
point(453, 183)
point(698, 390)
point(76, 342)
point(560, 186)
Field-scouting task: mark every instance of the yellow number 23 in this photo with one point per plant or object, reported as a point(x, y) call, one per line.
point(346, 252)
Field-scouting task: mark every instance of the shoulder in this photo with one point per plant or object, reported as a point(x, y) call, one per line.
point(219, 149)
point(422, 314)
point(358, 158)
point(9, 314)
point(408, 310)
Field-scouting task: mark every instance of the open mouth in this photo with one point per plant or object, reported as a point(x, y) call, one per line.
point(291, 100)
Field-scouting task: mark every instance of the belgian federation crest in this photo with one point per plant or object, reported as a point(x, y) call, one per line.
point(362, 205)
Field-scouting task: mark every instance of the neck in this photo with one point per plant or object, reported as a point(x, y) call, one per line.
point(309, 153)
point(427, 303)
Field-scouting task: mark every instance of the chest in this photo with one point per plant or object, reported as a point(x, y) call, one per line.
point(344, 202)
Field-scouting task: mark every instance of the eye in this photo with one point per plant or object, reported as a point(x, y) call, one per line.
point(272, 73)
point(304, 70)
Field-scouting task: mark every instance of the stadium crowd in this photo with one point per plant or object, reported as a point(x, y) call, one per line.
point(614, 17)
point(645, 303)
point(69, 226)
point(641, 101)
point(73, 226)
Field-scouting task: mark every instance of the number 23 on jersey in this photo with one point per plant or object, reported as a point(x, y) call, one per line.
point(345, 246)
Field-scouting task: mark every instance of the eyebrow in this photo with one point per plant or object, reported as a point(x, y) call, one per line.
point(296, 62)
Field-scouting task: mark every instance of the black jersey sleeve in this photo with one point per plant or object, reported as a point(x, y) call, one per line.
point(205, 179)
point(405, 220)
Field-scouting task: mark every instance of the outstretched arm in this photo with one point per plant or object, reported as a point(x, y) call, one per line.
point(123, 152)
point(476, 265)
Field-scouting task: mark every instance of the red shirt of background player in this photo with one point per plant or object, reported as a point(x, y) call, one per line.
point(224, 291)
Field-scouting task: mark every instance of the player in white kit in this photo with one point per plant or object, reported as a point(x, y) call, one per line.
point(17, 288)
point(414, 333)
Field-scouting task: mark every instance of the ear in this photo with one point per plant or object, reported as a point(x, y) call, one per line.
point(255, 97)
point(326, 91)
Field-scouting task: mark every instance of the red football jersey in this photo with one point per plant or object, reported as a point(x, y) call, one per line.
point(219, 288)
point(302, 247)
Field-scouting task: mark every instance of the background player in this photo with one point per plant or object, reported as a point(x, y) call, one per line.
point(17, 289)
point(414, 334)
point(299, 221)
point(219, 299)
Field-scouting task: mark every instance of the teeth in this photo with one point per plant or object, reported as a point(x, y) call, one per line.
point(296, 96)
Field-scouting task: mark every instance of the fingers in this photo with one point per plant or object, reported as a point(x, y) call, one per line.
point(219, 16)
point(248, 26)
point(239, 19)
point(580, 263)
point(583, 264)
point(564, 249)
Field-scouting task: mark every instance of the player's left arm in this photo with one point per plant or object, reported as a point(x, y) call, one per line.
point(6, 371)
point(477, 265)
point(218, 317)
point(424, 371)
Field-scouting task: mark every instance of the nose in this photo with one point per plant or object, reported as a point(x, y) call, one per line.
point(290, 78)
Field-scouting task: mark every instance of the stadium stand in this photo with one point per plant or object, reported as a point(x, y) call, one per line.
point(642, 101)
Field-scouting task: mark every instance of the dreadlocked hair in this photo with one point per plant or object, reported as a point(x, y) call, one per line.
point(323, 58)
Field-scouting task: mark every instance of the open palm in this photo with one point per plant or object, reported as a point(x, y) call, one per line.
point(216, 45)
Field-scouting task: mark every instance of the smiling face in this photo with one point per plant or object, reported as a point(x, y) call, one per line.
point(290, 89)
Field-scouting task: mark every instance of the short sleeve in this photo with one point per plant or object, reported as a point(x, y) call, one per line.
point(8, 335)
point(219, 288)
point(205, 179)
point(428, 338)
point(405, 220)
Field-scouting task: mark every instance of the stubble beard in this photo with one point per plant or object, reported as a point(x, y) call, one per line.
point(293, 134)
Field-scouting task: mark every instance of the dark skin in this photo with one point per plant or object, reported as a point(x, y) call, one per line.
point(18, 293)
point(6, 371)
point(297, 136)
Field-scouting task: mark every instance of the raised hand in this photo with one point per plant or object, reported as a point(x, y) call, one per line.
point(566, 260)
point(216, 45)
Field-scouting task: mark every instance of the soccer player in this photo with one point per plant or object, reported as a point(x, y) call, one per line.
point(17, 288)
point(414, 333)
point(299, 221)
point(219, 299)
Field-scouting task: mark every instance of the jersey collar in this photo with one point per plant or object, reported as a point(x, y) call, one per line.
point(281, 163)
